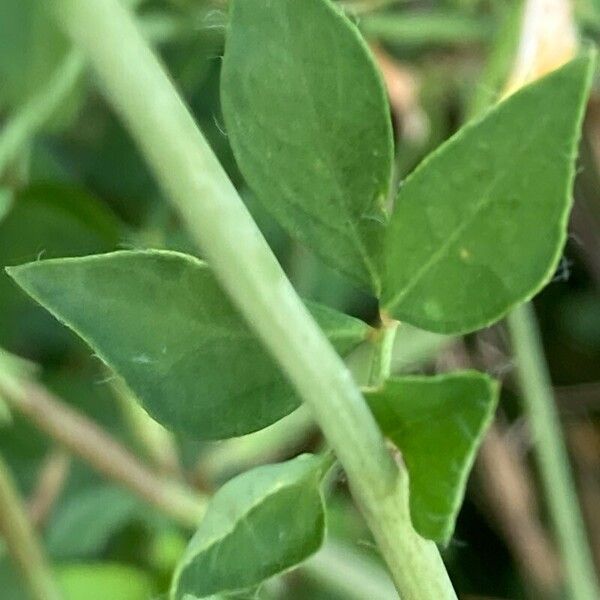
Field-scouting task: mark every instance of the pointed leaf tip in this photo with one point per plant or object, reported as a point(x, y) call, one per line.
point(480, 225)
point(161, 321)
point(257, 525)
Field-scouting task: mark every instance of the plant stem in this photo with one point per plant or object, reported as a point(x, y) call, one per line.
point(156, 443)
point(51, 481)
point(381, 362)
point(218, 221)
point(21, 541)
point(39, 109)
point(551, 453)
point(88, 441)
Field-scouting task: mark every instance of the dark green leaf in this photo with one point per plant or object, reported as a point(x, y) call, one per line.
point(161, 321)
point(257, 525)
point(480, 225)
point(308, 120)
point(437, 423)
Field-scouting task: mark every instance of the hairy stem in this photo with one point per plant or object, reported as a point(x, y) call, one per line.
point(21, 541)
point(182, 161)
point(85, 439)
point(551, 453)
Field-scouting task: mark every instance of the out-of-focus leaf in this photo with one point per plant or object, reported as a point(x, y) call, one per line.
point(37, 112)
point(104, 581)
point(83, 525)
point(413, 347)
point(480, 225)
point(31, 46)
point(257, 525)
point(500, 57)
point(308, 120)
point(162, 322)
point(6, 200)
point(423, 29)
point(11, 583)
point(437, 423)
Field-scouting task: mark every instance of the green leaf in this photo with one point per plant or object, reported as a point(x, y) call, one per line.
point(501, 55)
point(83, 525)
point(421, 29)
point(100, 581)
point(437, 423)
point(257, 525)
point(480, 225)
point(308, 120)
point(161, 321)
point(32, 46)
point(48, 220)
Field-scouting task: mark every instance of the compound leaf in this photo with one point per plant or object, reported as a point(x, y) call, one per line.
point(260, 523)
point(308, 121)
point(480, 225)
point(161, 321)
point(437, 423)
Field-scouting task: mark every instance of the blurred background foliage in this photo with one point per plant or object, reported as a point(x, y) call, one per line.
point(72, 183)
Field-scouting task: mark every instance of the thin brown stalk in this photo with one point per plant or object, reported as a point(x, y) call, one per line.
point(51, 480)
point(87, 440)
point(507, 491)
point(21, 541)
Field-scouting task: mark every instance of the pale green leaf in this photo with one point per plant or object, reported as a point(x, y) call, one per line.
point(101, 581)
point(480, 225)
point(500, 57)
point(422, 29)
point(308, 121)
point(257, 525)
point(437, 423)
point(162, 322)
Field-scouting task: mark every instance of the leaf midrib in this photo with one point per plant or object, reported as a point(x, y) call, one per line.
point(368, 263)
point(486, 200)
point(235, 524)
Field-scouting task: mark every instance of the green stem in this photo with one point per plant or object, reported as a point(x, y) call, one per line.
point(190, 174)
point(551, 453)
point(21, 541)
point(42, 106)
point(39, 109)
point(154, 440)
point(381, 363)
